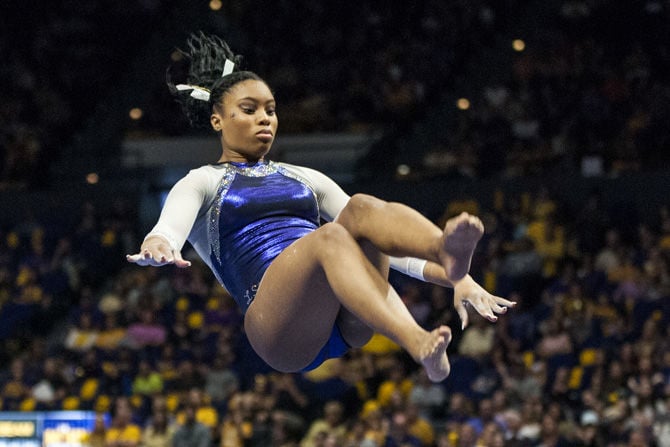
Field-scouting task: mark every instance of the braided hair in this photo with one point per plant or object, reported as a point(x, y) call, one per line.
point(207, 56)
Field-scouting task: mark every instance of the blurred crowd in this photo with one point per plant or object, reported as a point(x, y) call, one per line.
point(586, 89)
point(348, 66)
point(61, 60)
point(583, 360)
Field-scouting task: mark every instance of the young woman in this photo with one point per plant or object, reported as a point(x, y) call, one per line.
point(308, 291)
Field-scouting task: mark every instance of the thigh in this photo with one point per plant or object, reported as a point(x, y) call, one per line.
point(293, 313)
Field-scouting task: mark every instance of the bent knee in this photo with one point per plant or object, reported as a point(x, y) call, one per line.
point(361, 202)
point(335, 242)
point(333, 234)
point(357, 209)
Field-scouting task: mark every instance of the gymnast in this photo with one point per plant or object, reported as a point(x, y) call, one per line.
point(307, 264)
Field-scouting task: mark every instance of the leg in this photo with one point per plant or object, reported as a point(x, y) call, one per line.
point(356, 332)
point(301, 295)
point(398, 230)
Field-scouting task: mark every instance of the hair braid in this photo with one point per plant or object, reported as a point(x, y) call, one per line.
point(207, 56)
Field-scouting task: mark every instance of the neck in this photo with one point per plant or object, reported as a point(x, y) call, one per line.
point(237, 158)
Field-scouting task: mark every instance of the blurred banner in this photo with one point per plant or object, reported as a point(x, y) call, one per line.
point(47, 429)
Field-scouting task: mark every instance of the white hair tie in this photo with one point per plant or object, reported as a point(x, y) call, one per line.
point(228, 67)
point(202, 93)
point(197, 92)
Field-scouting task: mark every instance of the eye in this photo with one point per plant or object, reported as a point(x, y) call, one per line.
point(270, 111)
point(248, 110)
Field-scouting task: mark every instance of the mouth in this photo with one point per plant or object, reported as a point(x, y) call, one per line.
point(264, 135)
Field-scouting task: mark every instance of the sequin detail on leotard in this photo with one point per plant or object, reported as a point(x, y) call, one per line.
point(215, 213)
point(259, 210)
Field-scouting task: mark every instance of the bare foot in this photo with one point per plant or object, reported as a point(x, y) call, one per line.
point(434, 354)
point(461, 234)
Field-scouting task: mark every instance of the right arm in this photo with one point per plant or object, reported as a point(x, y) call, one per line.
point(164, 242)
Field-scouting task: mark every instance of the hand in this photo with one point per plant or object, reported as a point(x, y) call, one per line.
point(156, 251)
point(467, 291)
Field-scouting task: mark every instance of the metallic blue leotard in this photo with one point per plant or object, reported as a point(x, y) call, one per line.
point(259, 210)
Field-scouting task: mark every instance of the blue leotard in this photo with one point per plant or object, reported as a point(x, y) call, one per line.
point(259, 209)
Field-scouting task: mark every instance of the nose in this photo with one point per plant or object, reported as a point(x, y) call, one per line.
point(264, 118)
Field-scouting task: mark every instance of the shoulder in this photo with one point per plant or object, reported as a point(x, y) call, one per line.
point(205, 171)
point(310, 175)
point(203, 178)
point(300, 170)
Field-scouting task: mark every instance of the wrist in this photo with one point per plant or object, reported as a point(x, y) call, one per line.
point(416, 267)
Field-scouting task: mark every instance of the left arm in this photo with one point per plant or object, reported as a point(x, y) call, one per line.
point(332, 199)
point(466, 290)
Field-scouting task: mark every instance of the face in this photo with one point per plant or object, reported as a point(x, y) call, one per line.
point(247, 120)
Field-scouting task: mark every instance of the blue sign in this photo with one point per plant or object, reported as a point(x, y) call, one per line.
point(47, 429)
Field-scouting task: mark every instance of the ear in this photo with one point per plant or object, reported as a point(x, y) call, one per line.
point(215, 121)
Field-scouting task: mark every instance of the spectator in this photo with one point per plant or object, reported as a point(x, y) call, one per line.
point(588, 434)
point(220, 379)
point(331, 423)
point(477, 341)
point(428, 398)
point(82, 336)
point(16, 387)
point(239, 422)
point(123, 432)
point(146, 331)
point(491, 435)
point(53, 386)
point(399, 432)
point(395, 382)
point(549, 433)
point(467, 436)
point(287, 429)
point(113, 333)
point(191, 433)
point(159, 430)
point(148, 382)
point(555, 340)
point(188, 377)
point(419, 427)
point(98, 435)
point(513, 423)
point(287, 393)
point(205, 414)
point(483, 416)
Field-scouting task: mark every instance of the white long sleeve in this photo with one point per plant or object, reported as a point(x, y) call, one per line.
point(184, 214)
point(187, 202)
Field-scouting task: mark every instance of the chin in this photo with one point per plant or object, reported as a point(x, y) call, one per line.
point(263, 150)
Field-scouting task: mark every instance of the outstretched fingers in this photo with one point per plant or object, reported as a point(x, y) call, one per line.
point(462, 312)
point(158, 256)
point(486, 306)
point(468, 292)
point(179, 261)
